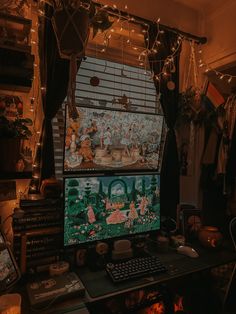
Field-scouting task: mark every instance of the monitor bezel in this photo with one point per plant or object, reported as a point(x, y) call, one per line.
point(111, 239)
point(115, 170)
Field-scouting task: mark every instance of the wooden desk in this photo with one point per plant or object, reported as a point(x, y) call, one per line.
point(100, 287)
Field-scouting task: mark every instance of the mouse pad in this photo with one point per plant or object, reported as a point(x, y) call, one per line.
point(98, 283)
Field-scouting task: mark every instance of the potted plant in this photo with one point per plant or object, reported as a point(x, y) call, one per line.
point(12, 132)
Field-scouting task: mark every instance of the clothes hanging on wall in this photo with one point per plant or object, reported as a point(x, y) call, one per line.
point(227, 124)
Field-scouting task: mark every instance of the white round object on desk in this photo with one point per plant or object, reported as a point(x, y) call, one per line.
point(58, 268)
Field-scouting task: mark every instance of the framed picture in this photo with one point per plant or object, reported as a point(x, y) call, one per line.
point(116, 140)
point(191, 221)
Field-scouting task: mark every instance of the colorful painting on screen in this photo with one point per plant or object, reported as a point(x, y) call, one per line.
point(102, 139)
point(98, 208)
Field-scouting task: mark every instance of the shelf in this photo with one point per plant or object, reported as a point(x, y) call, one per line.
point(16, 175)
point(15, 31)
point(16, 67)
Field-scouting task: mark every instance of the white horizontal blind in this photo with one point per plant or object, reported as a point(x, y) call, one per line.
point(115, 81)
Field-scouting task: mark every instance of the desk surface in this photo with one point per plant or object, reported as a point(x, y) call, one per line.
point(99, 286)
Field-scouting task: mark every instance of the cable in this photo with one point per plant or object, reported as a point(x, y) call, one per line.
point(39, 309)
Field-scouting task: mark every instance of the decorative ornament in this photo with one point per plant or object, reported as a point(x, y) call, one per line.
point(171, 85)
point(124, 101)
point(101, 21)
point(94, 81)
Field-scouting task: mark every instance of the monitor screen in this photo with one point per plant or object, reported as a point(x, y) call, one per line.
point(105, 139)
point(103, 207)
point(9, 272)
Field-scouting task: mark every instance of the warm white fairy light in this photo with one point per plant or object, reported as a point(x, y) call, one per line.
point(218, 74)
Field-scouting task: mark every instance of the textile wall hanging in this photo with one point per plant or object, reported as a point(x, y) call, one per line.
point(71, 21)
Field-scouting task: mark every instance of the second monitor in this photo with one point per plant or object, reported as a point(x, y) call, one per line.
point(103, 207)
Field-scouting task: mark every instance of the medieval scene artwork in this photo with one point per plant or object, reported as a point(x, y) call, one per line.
point(99, 208)
point(101, 139)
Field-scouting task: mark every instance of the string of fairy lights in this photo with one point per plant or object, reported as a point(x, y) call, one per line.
point(35, 99)
point(207, 68)
point(143, 57)
point(123, 22)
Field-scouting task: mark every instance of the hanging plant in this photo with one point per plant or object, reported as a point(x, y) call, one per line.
point(101, 21)
point(194, 107)
point(72, 21)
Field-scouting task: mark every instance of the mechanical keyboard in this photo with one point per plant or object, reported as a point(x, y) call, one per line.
point(134, 268)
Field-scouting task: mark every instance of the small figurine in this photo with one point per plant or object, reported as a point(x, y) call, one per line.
point(116, 217)
point(92, 129)
point(73, 142)
point(107, 138)
point(85, 148)
point(127, 141)
point(143, 205)
point(133, 212)
point(91, 215)
point(101, 135)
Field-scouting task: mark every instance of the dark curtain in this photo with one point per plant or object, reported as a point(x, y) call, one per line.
point(54, 73)
point(169, 192)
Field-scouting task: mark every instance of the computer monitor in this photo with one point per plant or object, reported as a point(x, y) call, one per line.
point(104, 207)
point(103, 139)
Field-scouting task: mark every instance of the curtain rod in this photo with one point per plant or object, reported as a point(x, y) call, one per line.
point(143, 21)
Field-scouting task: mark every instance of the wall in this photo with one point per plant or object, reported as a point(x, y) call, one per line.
point(34, 112)
point(171, 13)
point(219, 27)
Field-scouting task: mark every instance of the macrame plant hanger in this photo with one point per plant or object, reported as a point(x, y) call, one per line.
point(192, 78)
point(192, 84)
point(71, 21)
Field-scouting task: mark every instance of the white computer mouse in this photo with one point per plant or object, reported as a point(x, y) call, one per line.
point(187, 250)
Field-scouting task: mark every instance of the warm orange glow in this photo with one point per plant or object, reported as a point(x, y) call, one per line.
point(178, 306)
point(157, 308)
